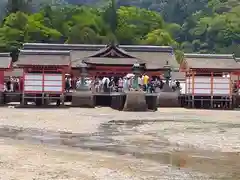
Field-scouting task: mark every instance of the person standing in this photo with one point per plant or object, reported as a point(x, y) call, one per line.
point(145, 82)
point(125, 84)
point(120, 85)
point(105, 82)
point(8, 85)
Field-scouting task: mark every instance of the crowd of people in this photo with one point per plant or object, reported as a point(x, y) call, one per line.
point(120, 84)
point(106, 84)
point(12, 85)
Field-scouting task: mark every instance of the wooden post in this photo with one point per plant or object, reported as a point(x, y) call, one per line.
point(23, 90)
point(63, 87)
point(189, 95)
point(238, 85)
point(212, 89)
point(43, 75)
point(186, 83)
point(231, 93)
point(186, 90)
point(193, 93)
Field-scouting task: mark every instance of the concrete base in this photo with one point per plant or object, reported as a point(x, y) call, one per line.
point(12, 97)
point(83, 99)
point(168, 99)
point(151, 100)
point(166, 88)
point(135, 101)
point(236, 102)
point(117, 102)
point(2, 98)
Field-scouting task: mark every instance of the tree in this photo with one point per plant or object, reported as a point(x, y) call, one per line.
point(135, 23)
point(14, 6)
point(20, 27)
point(12, 33)
point(110, 16)
point(159, 37)
point(191, 26)
point(36, 31)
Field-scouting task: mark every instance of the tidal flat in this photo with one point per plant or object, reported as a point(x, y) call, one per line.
point(104, 144)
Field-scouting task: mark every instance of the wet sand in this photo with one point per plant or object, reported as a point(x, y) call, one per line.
point(104, 144)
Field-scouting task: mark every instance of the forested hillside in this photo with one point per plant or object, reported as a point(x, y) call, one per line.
point(205, 26)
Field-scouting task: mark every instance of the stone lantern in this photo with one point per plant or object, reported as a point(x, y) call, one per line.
point(136, 69)
point(83, 74)
point(167, 72)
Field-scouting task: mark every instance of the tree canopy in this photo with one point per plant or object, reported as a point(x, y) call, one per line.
point(187, 25)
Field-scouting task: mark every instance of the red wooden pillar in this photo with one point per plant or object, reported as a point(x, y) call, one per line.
point(186, 78)
point(193, 83)
point(1, 80)
point(212, 75)
point(43, 80)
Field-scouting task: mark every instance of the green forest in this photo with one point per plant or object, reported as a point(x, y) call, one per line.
point(201, 26)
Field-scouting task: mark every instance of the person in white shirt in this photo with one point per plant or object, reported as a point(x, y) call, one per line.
point(140, 82)
point(105, 82)
point(125, 84)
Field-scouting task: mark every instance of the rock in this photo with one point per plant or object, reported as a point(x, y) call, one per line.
point(135, 101)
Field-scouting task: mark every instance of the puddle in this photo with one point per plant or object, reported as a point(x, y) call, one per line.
point(114, 137)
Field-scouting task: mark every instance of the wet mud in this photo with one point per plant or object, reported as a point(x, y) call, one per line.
point(143, 140)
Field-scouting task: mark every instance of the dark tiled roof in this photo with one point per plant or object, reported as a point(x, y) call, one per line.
point(112, 61)
point(14, 73)
point(112, 51)
point(157, 60)
point(155, 57)
point(43, 58)
point(211, 61)
point(63, 47)
point(178, 75)
point(94, 47)
point(5, 60)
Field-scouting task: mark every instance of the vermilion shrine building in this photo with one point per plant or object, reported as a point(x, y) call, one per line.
point(42, 67)
point(209, 78)
point(5, 66)
point(113, 60)
point(43, 74)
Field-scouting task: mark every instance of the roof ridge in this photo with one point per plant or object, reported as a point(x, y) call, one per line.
point(225, 56)
point(44, 52)
point(76, 47)
point(95, 47)
point(5, 55)
point(148, 48)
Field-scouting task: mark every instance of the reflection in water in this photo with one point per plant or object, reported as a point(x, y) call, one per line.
point(114, 137)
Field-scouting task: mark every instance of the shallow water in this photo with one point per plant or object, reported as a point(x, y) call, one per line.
point(158, 141)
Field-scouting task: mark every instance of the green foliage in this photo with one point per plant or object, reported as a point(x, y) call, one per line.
point(218, 33)
point(134, 24)
point(159, 37)
point(191, 26)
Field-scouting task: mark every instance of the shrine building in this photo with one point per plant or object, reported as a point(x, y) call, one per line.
point(113, 60)
point(209, 79)
point(5, 65)
point(43, 74)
